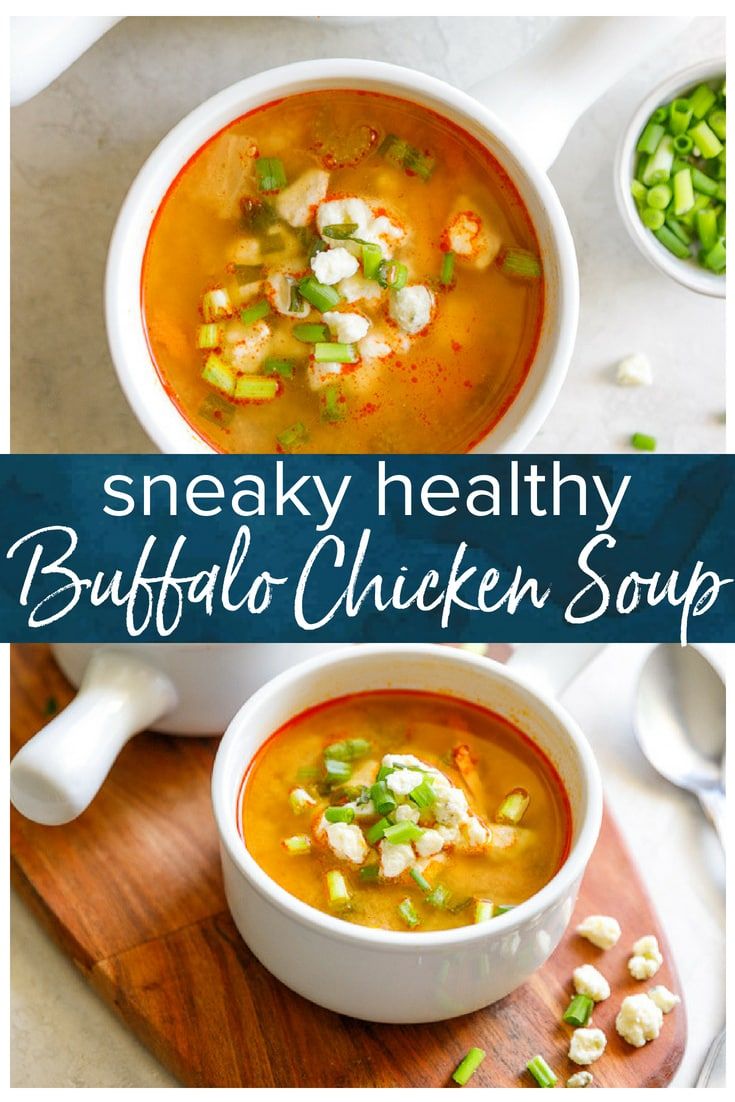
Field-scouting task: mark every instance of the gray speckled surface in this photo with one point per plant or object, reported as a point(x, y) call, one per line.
point(77, 146)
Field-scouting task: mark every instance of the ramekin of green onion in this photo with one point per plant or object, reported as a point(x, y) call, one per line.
point(670, 178)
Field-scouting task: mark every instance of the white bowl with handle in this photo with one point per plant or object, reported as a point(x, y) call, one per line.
point(522, 116)
point(392, 976)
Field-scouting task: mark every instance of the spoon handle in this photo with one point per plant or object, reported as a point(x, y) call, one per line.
point(713, 804)
point(713, 1067)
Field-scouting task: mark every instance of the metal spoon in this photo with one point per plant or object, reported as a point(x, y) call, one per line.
point(680, 725)
point(679, 722)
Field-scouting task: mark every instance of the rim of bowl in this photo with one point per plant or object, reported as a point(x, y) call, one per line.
point(226, 817)
point(164, 424)
point(687, 273)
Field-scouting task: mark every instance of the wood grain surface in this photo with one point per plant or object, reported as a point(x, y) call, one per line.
point(132, 892)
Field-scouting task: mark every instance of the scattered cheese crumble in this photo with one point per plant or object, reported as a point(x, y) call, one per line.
point(588, 981)
point(646, 959)
point(635, 370)
point(639, 1020)
point(664, 999)
point(587, 1045)
point(580, 1079)
point(602, 930)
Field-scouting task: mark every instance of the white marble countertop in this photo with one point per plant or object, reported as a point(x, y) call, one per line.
point(77, 146)
point(62, 1035)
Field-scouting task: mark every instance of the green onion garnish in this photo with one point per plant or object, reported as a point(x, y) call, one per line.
point(398, 833)
point(370, 872)
point(216, 304)
point(447, 273)
point(701, 99)
point(255, 312)
point(270, 173)
point(256, 388)
point(293, 436)
point(377, 831)
point(406, 156)
point(468, 1066)
point(208, 336)
point(579, 1011)
point(298, 845)
point(484, 910)
point(716, 258)
point(541, 1072)
point(372, 258)
point(659, 197)
point(683, 191)
point(311, 333)
point(643, 442)
point(423, 795)
point(383, 799)
point(392, 274)
point(683, 145)
point(274, 366)
point(420, 879)
point(460, 905)
point(318, 294)
point(333, 352)
point(652, 219)
point(385, 771)
point(438, 897)
point(671, 242)
point(521, 264)
point(649, 139)
point(337, 771)
point(659, 166)
point(680, 115)
point(299, 800)
point(219, 374)
point(307, 772)
point(337, 891)
point(341, 231)
point(332, 409)
point(407, 911)
point(513, 807)
point(340, 814)
point(348, 749)
point(717, 120)
point(503, 908)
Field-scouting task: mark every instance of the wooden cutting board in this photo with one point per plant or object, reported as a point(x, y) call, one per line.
point(132, 892)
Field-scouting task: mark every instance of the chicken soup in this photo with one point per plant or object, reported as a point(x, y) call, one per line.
point(342, 271)
point(405, 811)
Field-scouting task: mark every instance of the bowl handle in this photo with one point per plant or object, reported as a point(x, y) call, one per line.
point(552, 666)
point(541, 96)
point(58, 772)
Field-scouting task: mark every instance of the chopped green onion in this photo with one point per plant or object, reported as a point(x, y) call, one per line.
point(679, 229)
point(255, 312)
point(706, 140)
point(640, 193)
point(311, 333)
point(377, 831)
point(383, 799)
point(307, 772)
point(337, 891)
point(702, 182)
point(683, 192)
point(468, 1066)
point(420, 879)
point(216, 304)
point(372, 258)
point(297, 845)
point(399, 833)
point(650, 138)
point(659, 196)
point(257, 216)
point(701, 99)
point(541, 1072)
point(370, 872)
point(407, 911)
point(503, 908)
point(270, 173)
point(299, 800)
point(337, 771)
point(652, 219)
point(340, 814)
point(513, 807)
point(423, 795)
point(208, 336)
point(717, 120)
point(293, 436)
point(256, 388)
point(340, 232)
point(579, 1011)
point(385, 771)
point(683, 145)
point(643, 442)
point(219, 374)
point(392, 274)
point(521, 263)
point(460, 905)
point(671, 242)
point(439, 897)
point(680, 116)
point(707, 228)
point(716, 258)
point(658, 169)
point(661, 114)
point(406, 156)
point(348, 749)
point(274, 366)
point(333, 352)
point(446, 277)
point(483, 910)
point(332, 410)
point(320, 295)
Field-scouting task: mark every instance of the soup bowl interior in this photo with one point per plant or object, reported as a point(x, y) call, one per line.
point(384, 975)
point(126, 332)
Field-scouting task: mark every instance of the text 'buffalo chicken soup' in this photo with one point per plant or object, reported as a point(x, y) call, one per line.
point(405, 811)
point(342, 271)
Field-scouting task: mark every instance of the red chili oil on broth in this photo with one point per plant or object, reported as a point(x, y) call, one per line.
point(255, 387)
point(478, 752)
